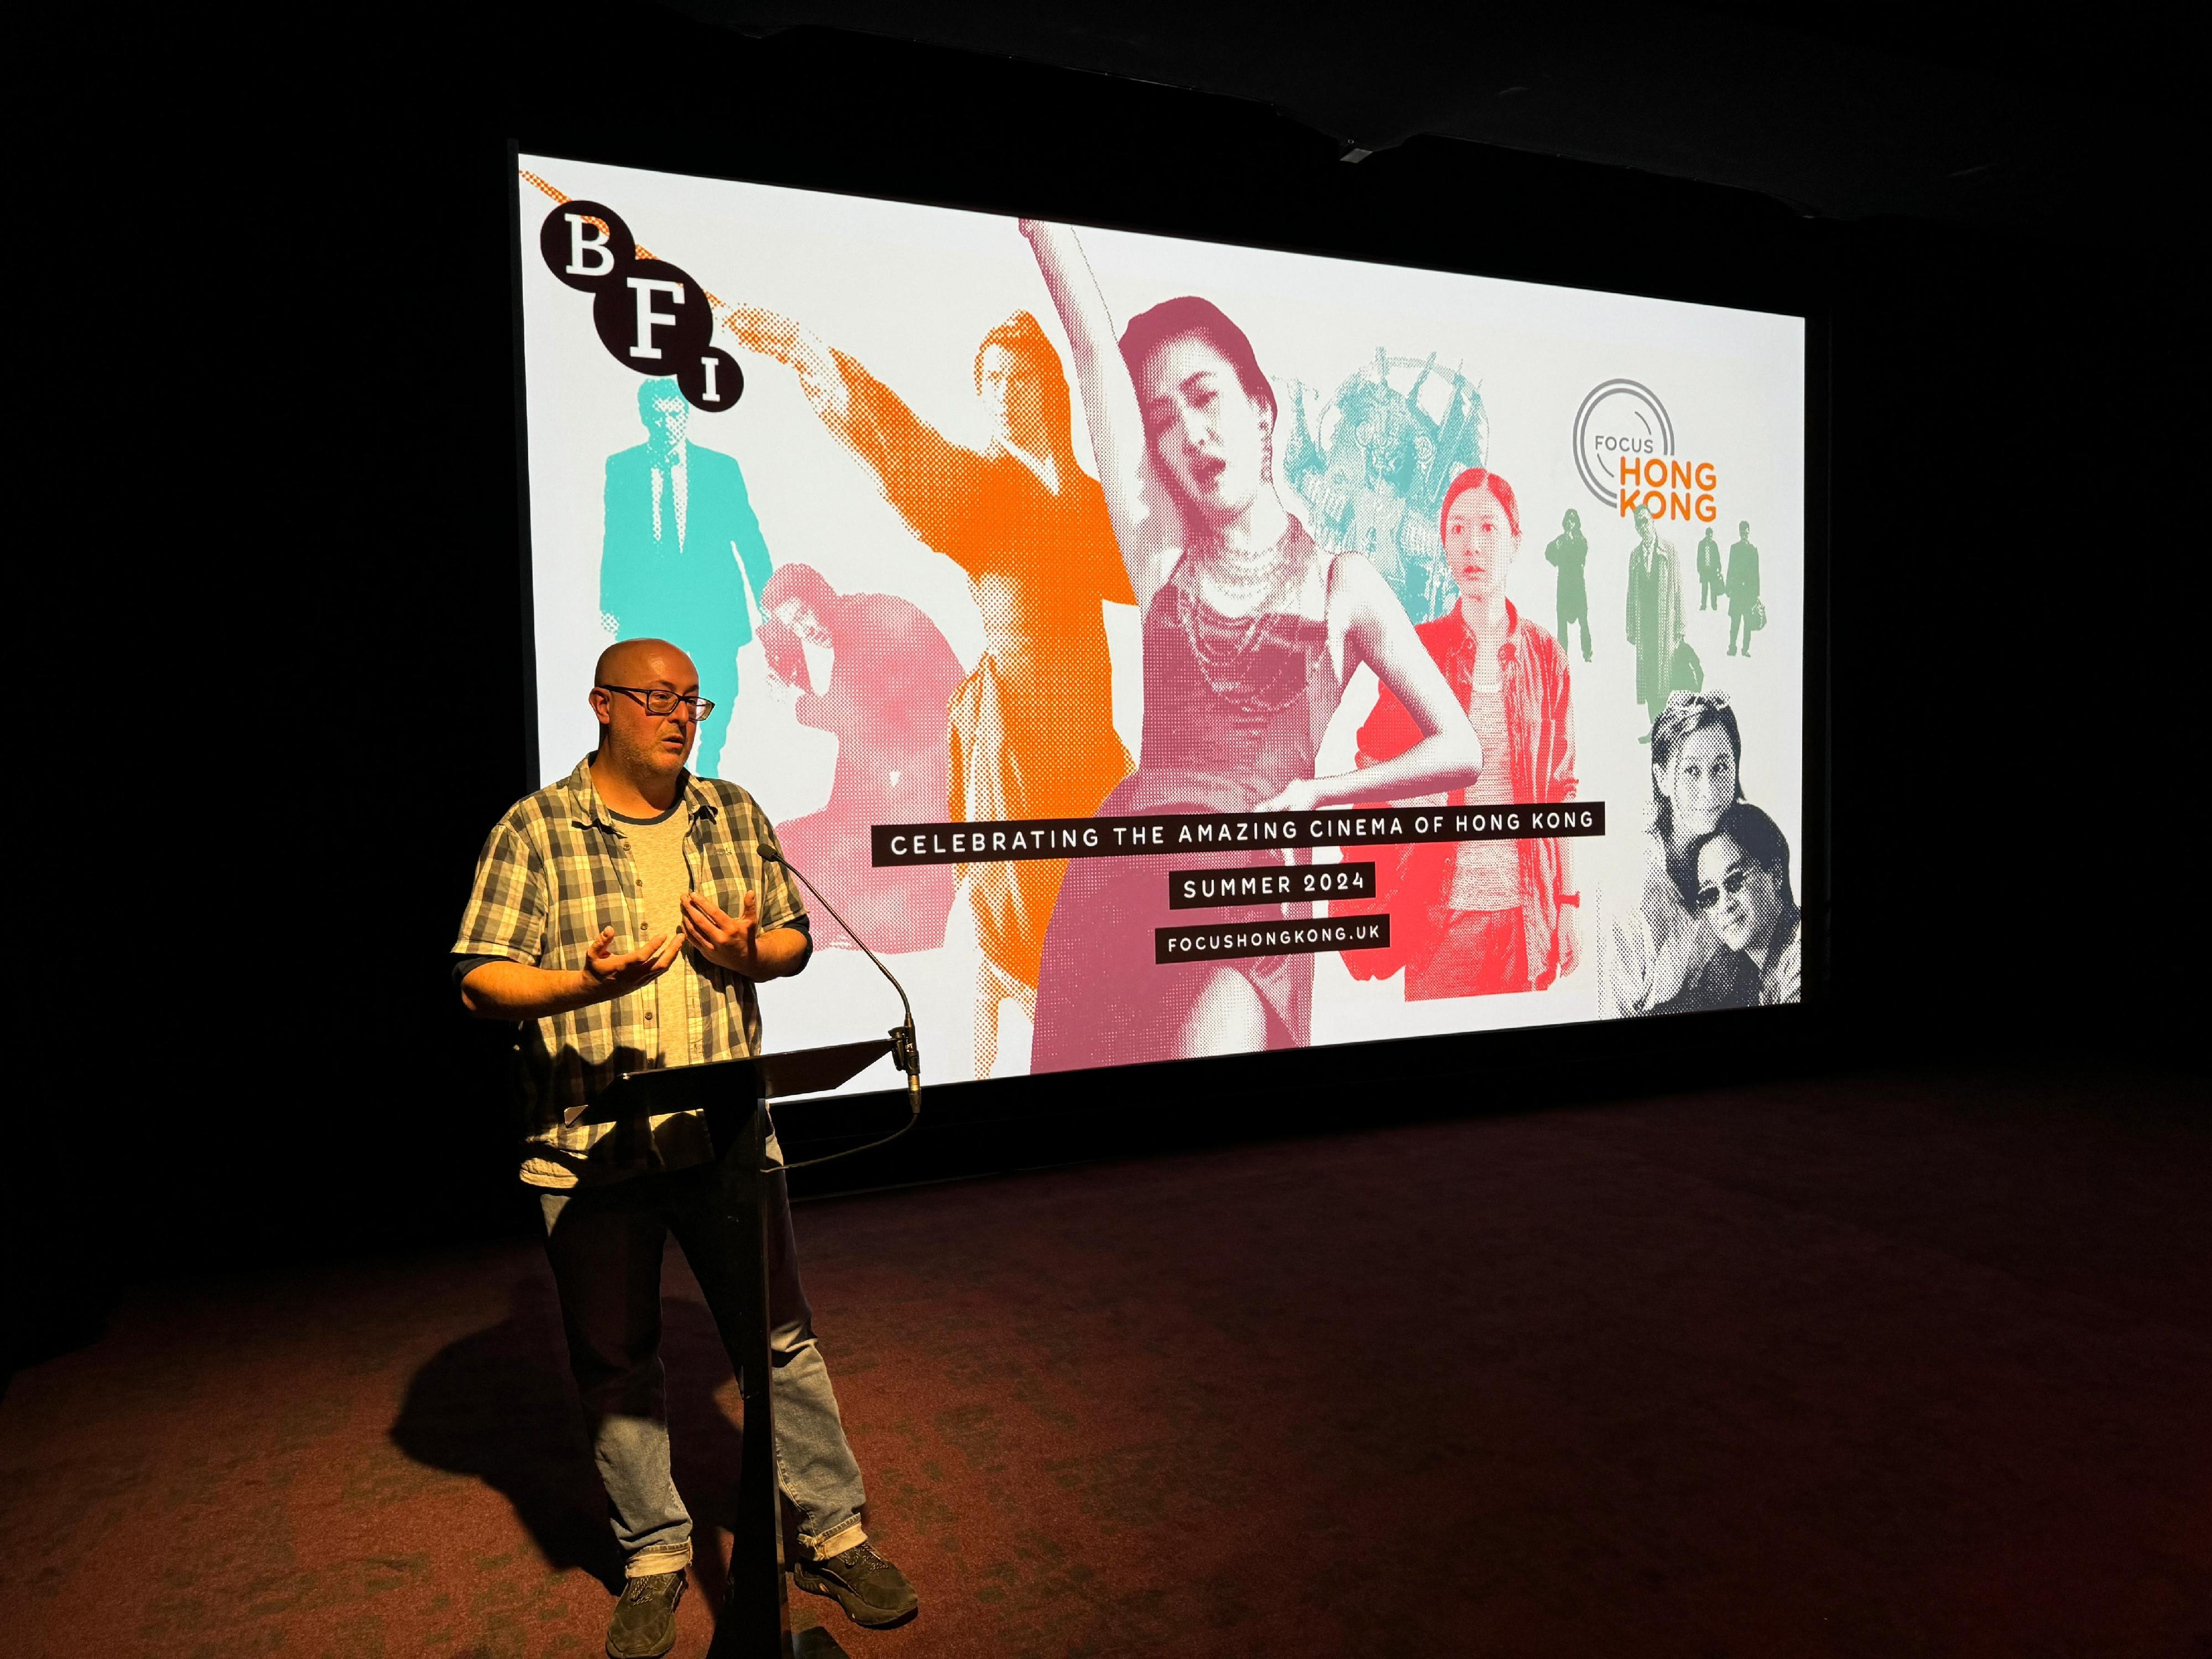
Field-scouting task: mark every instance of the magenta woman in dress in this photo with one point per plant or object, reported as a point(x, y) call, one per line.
point(1250, 632)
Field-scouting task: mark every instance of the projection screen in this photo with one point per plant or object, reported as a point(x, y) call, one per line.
point(1157, 647)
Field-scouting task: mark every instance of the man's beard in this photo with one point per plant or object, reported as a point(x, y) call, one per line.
point(652, 757)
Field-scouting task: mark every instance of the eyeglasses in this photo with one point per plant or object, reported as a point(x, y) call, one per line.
point(658, 700)
point(1731, 883)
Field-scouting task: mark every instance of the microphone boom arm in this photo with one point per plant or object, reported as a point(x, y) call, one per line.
point(906, 1050)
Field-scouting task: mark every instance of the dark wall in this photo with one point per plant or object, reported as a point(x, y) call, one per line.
point(326, 1093)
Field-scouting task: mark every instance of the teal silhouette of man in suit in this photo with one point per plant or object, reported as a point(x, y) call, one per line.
point(681, 543)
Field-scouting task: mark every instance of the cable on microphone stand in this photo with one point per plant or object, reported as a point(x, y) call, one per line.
point(906, 1047)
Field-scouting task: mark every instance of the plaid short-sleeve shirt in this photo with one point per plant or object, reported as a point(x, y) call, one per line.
point(555, 870)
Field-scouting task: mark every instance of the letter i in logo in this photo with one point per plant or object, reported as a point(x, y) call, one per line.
point(712, 379)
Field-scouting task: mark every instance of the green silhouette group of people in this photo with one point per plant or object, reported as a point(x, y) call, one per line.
point(1665, 663)
point(1739, 586)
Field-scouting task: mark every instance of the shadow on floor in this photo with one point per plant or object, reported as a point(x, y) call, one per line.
point(498, 1405)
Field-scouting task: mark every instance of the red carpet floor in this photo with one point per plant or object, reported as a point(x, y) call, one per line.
point(1895, 1366)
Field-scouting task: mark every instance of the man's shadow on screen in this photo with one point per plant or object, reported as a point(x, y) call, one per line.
point(498, 1405)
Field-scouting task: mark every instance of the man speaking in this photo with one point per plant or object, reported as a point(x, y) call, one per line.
point(622, 916)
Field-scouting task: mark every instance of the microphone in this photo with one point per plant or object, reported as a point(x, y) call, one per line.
point(906, 1050)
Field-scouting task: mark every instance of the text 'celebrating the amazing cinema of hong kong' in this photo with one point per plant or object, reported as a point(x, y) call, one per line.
point(1118, 837)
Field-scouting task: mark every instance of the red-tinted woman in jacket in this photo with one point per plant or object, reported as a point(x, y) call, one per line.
point(1474, 918)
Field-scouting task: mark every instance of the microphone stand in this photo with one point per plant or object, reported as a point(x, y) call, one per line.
point(906, 1050)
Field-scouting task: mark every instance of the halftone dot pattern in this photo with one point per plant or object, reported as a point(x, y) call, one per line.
point(1525, 933)
point(888, 684)
point(1032, 727)
point(1232, 712)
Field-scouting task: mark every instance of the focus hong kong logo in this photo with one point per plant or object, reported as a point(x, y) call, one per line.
point(1625, 451)
point(650, 316)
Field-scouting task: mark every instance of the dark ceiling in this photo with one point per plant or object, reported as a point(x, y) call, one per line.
point(1838, 111)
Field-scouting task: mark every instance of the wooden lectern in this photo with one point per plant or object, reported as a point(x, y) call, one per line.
point(733, 1094)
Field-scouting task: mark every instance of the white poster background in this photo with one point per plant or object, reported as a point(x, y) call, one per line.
point(910, 291)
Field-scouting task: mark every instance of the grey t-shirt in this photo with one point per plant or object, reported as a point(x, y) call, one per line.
point(656, 855)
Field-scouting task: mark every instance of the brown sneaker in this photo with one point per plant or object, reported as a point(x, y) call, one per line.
point(645, 1618)
point(871, 1589)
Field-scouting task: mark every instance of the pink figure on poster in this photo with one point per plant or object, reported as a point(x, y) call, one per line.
point(875, 672)
point(1032, 725)
point(1250, 634)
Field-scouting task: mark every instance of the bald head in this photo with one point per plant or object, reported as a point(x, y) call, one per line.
point(645, 749)
point(645, 662)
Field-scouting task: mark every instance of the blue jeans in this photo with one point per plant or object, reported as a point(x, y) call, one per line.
point(604, 1243)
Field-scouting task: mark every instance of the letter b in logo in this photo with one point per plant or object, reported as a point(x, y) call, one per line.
point(586, 246)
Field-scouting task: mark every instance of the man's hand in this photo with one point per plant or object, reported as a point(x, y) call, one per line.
point(613, 974)
point(772, 334)
point(759, 330)
point(518, 990)
point(727, 941)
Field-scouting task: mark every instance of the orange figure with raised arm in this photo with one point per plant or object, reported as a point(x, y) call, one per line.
point(1032, 727)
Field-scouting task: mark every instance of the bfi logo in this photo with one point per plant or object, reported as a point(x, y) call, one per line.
point(650, 316)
